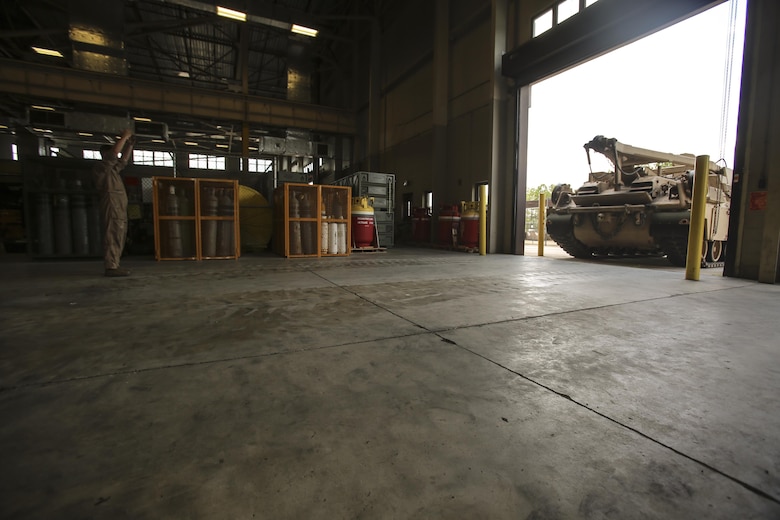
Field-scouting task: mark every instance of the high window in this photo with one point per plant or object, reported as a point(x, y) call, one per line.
point(153, 158)
point(206, 162)
point(255, 165)
point(561, 11)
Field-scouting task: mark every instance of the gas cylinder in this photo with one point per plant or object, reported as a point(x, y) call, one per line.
point(333, 238)
point(333, 228)
point(63, 244)
point(209, 227)
point(186, 208)
point(363, 225)
point(421, 225)
point(295, 232)
point(43, 219)
point(469, 223)
point(307, 237)
point(94, 226)
point(324, 231)
point(342, 237)
point(225, 228)
point(173, 243)
point(449, 222)
point(78, 217)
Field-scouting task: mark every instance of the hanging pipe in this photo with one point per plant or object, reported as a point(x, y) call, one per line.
point(696, 226)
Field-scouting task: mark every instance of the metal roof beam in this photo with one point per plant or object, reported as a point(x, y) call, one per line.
point(70, 85)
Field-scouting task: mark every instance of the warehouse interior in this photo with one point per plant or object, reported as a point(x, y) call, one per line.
point(419, 382)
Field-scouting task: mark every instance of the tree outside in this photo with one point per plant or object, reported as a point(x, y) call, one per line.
point(532, 214)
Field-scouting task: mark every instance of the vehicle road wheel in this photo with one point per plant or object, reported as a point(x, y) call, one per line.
point(715, 251)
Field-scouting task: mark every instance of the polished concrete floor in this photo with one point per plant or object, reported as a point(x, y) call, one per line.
point(408, 384)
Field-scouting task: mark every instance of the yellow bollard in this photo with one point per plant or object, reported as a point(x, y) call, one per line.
point(483, 219)
point(696, 226)
point(542, 218)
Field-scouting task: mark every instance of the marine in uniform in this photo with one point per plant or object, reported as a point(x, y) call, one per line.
point(113, 200)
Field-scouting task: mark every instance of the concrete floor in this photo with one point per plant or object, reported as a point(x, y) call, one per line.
point(410, 384)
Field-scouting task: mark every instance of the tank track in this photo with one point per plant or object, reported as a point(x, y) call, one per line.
point(571, 245)
point(676, 249)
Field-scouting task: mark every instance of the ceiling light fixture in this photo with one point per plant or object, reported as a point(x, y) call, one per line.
point(230, 13)
point(85, 134)
point(42, 130)
point(3, 127)
point(48, 52)
point(142, 119)
point(157, 141)
point(183, 74)
point(41, 107)
point(306, 31)
point(222, 146)
point(190, 143)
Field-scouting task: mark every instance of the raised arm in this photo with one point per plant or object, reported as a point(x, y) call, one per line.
point(124, 145)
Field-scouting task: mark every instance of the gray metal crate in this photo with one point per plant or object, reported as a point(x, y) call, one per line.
point(385, 227)
point(382, 217)
point(380, 186)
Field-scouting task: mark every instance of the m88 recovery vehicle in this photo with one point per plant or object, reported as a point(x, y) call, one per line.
point(642, 207)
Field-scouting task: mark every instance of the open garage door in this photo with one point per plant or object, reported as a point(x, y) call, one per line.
point(603, 26)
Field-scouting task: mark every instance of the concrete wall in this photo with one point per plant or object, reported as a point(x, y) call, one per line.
point(469, 136)
point(754, 233)
point(408, 94)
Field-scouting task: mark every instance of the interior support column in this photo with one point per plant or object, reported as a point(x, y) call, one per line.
point(521, 167)
point(502, 135)
point(374, 97)
point(442, 191)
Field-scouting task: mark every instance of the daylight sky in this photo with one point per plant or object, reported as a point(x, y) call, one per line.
point(663, 92)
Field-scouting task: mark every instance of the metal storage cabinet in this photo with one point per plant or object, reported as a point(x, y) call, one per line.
point(380, 187)
point(308, 219)
point(195, 219)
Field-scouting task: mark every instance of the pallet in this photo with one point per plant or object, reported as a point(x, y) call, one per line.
point(369, 249)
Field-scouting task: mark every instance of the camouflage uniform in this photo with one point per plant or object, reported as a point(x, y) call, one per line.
point(113, 209)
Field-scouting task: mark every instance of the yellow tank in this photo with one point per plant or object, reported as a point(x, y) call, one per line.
point(255, 219)
point(363, 205)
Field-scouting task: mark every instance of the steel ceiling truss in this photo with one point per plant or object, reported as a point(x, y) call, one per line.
point(184, 64)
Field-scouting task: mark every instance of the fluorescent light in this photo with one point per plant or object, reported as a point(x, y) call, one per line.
point(42, 130)
point(48, 52)
point(3, 127)
point(85, 134)
point(190, 143)
point(306, 31)
point(143, 119)
point(157, 141)
point(230, 13)
point(222, 146)
point(41, 107)
point(253, 148)
point(183, 74)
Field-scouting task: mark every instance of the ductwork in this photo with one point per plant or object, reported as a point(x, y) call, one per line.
point(96, 32)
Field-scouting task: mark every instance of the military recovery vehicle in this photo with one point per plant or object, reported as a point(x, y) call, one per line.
point(642, 207)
